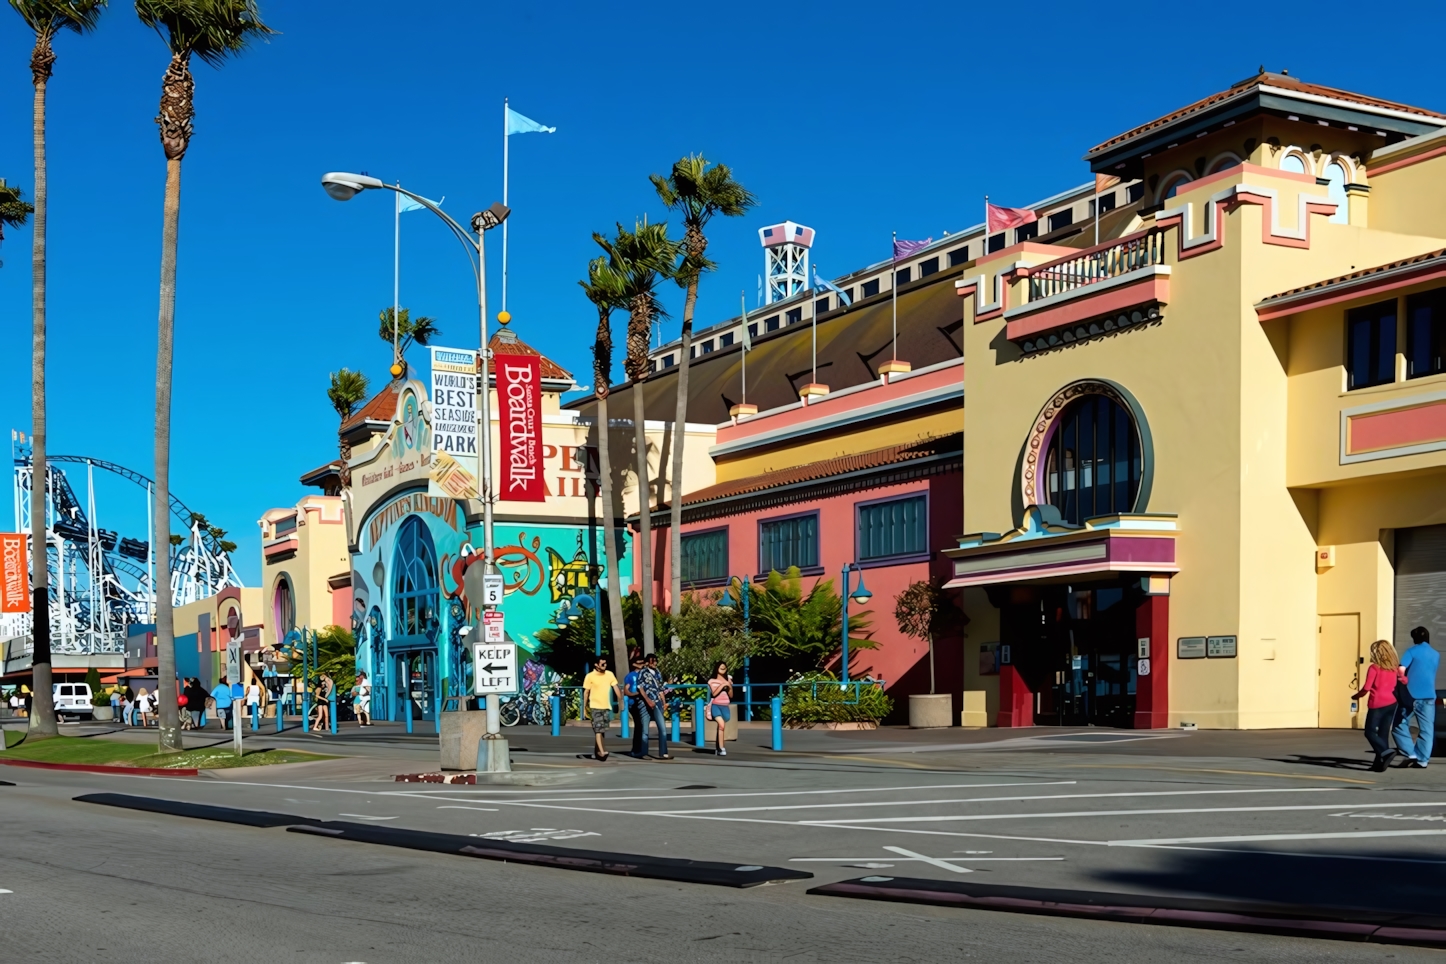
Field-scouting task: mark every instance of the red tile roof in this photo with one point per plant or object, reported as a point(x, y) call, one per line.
point(1244, 87)
point(830, 468)
point(381, 407)
point(1363, 273)
point(506, 342)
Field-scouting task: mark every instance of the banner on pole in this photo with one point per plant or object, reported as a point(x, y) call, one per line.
point(14, 573)
point(454, 469)
point(519, 397)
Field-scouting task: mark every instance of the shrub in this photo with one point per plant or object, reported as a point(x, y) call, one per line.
point(807, 705)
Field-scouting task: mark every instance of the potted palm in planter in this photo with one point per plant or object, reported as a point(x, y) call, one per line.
point(100, 709)
point(925, 611)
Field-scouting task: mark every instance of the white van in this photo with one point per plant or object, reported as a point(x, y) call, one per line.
point(72, 699)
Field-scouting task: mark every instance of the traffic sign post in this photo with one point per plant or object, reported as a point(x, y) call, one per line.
point(233, 676)
point(485, 591)
point(494, 668)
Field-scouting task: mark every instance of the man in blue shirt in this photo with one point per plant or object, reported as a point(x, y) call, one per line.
point(222, 695)
point(1420, 663)
point(635, 705)
point(650, 688)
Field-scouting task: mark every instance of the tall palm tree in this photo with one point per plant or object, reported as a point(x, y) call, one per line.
point(212, 30)
point(348, 390)
point(696, 192)
point(644, 258)
point(419, 331)
point(46, 18)
point(14, 209)
point(606, 289)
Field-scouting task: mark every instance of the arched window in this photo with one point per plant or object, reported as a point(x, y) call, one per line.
point(1173, 185)
point(1294, 163)
point(283, 607)
point(1223, 163)
point(414, 582)
point(1336, 190)
point(1093, 463)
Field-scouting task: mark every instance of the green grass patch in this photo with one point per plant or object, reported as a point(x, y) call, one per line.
point(69, 749)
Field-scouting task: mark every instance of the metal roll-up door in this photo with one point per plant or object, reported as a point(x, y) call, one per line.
point(1421, 587)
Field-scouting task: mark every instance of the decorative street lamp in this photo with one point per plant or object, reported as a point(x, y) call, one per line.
point(860, 595)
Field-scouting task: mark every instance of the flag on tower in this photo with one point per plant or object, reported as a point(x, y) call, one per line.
point(1001, 218)
point(517, 124)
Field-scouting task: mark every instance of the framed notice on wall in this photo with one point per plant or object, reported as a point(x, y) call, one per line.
point(1220, 647)
point(1190, 647)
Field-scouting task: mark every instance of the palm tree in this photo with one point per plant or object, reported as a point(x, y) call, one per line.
point(348, 390)
point(212, 30)
point(696, 192)
point(410, 331)
point(644, 258)
point(606, 289)
point(46, 18)
point(14, 209)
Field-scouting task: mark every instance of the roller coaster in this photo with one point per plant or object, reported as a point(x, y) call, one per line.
point(100, 581)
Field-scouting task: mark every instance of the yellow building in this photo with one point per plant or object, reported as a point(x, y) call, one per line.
point(1205, 459)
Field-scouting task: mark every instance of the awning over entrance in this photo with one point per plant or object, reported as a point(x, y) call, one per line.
point(1047, 548)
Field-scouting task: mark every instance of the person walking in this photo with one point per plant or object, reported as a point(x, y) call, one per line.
point(1381, 678)
point(1419, 663)
point(650, 688)
point(128, 705)
point(222, 696)
point(361, 699)
point(720, 700)
point(635, 705)
point(181, 703)
point(598, 689)
point(324, 688)
point(144, 705)
point(115, 704)
point(196, 703)
point(253, 699)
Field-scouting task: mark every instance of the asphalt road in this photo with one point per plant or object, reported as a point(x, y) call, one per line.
point(1278, 816)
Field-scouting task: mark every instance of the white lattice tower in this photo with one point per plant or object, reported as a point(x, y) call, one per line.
point(785, 259)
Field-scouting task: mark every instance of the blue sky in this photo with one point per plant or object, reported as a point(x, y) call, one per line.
point(855, 119)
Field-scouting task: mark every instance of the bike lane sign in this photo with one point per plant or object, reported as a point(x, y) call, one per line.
point(494, 669)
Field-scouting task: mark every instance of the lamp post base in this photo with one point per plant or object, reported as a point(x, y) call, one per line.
point(498, 760)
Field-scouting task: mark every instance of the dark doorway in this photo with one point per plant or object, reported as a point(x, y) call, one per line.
point(1076, 648)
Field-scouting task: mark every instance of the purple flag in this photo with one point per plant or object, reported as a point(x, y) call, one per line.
point(905, 249)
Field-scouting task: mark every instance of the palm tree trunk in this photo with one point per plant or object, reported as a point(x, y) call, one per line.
point(42, 717)
point(610, 544)
point(645, 511)
point(167, 711)
point(675, 482)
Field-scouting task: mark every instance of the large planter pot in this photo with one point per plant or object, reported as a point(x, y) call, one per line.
point(102, 714)
point(930, 710)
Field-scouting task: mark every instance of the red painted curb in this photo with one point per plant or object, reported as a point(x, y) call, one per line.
point(465, 778)
point(99, 768)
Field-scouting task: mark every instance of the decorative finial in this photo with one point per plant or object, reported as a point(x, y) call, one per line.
point(503, 317)
point(396, 369)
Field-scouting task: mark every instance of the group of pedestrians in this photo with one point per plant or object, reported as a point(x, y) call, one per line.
point(1402, 690)
point(646, 695)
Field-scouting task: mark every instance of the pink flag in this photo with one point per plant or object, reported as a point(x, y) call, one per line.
point(1001, 219)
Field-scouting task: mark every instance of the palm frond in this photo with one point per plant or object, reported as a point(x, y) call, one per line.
point(209, 29)
point(14, 209)
point(348, 390)
point(49, 17)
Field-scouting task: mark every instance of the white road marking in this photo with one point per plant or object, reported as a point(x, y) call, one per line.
point(796, 793)
point(1247, 838)
point(1101, 813)
point(1057, 796)
point(460, 807)
point(3, 891)
point(364, 816)
point(942, 862)
point(972, 860)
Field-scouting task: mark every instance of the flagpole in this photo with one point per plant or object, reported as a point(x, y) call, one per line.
point(396, 274)
point(743, 305)
point(505, 140)
point(894, 289)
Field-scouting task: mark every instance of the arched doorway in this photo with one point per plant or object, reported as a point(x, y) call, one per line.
point(415, 621)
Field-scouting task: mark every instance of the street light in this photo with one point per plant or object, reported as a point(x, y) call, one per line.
point(860, 595)
point(343, 186)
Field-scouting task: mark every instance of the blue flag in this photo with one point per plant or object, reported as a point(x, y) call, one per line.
point(405, 204)
point(843, 296)
point(517, 124)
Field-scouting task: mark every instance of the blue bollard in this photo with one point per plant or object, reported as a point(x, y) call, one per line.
point(556, 702)
point(331, 701)
point(306, 712)
point(255, 717)
point(700, 730)
point(775, 707)
point(280, 714)
point(627, 731)
point(677, 738)
point(407, 711)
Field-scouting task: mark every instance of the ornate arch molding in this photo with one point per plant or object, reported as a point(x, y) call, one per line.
point(1037, 444)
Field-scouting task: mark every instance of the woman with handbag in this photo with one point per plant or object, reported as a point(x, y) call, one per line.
point(1381, 680)
point(720, 699)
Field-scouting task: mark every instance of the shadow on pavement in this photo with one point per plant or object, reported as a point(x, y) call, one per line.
point(1366, 881)
point(1335, 762)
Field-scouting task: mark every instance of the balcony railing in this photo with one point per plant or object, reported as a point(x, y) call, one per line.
point(1090, 268)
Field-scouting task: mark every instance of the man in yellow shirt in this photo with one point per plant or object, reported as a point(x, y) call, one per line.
point(598, 689)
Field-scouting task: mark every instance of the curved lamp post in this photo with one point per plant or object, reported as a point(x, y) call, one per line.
point(860, 595)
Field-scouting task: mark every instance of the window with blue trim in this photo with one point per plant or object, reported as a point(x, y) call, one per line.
point(899, 527)
point(704, 555)
point(414, 582)
point(783, 543)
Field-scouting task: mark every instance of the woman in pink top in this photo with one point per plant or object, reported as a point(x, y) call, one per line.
point(1380, 683)
point(720, 693)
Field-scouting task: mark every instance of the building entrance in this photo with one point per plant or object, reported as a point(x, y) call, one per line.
point(1075, 647)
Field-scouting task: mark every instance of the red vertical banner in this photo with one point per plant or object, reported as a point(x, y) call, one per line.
point(519, 396)
point(14, 573)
